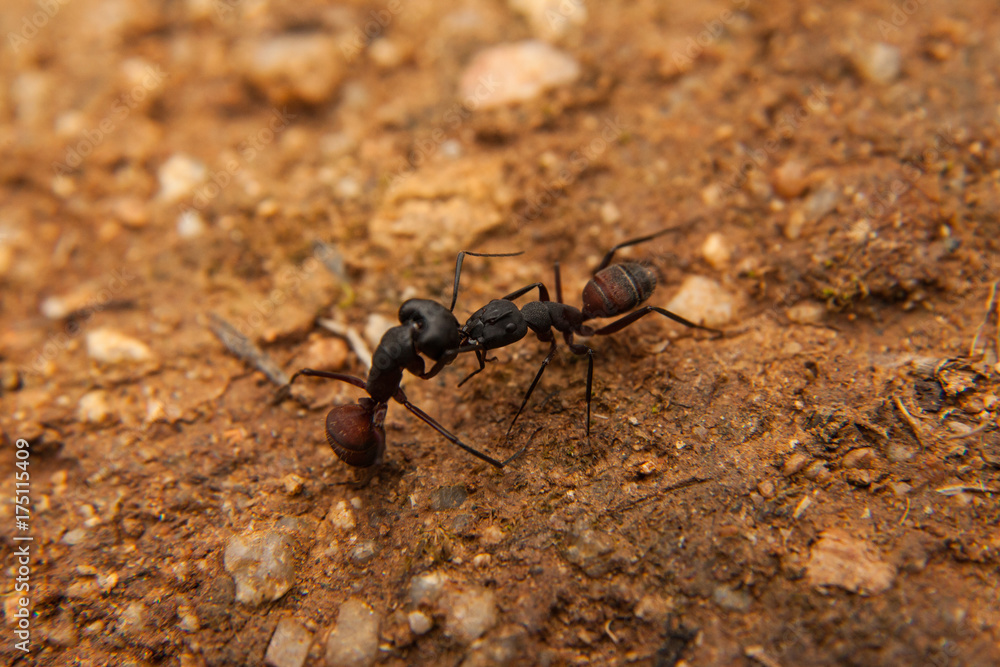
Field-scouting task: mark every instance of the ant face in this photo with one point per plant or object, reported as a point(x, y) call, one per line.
point(356, 432)
point(435, 329)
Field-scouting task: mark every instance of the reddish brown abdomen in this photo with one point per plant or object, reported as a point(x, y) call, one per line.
point(618, 289)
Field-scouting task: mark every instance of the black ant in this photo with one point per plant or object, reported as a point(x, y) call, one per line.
point(614, 289)
point(356, 432)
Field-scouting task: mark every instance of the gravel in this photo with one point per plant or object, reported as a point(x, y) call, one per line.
point(470, 614)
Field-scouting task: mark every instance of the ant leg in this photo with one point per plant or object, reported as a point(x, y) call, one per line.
point(543, 293)
point(458, 268)
point(555, 268)
point(481, 358)
point(620, 324)
point(400, 398)
point(286, 391)
point(538, 376)
point(642, 239)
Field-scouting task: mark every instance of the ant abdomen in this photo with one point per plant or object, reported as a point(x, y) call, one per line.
point(618, 289)
point(356, 432)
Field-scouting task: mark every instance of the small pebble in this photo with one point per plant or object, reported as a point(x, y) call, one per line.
point(133, 619)
point(385, 53)
point(482, 560)
point(716, 251)
point(806, 312)
point(354, 640)
point(512, 73)
point(795, 463)
point(93, 407)
point(766, 488)
point(838, 559)
point(610, 213)
point(794, 225)
point(189, 620)
point(655, 608)
point(363, 552)
point(734, 600)
point(262, 566)
point(111, 347)
point(789, 180)
point(426, 588)
point(821, 202)
point(179, 176)
point(420, 623)
point(190, 224)
point(289, 646)
point(703, 301)
point(293, 484)
point(294, 68)
point(592, 551)
point(878, 63)
point(326, 353)
point(470, 614)
point(862, 457)
point(448, 497)
point(341, 516)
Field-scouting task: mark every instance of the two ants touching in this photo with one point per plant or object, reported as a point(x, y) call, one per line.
point(428, 329)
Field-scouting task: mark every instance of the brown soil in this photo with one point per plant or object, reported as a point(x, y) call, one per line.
point(845, 405)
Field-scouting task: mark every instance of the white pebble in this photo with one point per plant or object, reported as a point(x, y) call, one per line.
point(112, 347)
point(262, 566)
point(354, 641)
point(179, 176)
point(289, 645)
point(470, 614)
point(93, 407)
point(341, 516)
point(610, 213)
point(806, 312)
point(420, 623)
point(703, 301)
point(716, 251)
point(190, 224)
point(879, 63)
point(511, 73)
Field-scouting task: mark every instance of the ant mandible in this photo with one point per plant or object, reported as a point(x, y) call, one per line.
point(613, 289)
point(356, 432)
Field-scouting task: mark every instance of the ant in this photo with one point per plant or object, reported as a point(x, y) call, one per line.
point(356, 432)
point(613, 289)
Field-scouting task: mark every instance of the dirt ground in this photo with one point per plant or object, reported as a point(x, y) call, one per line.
point(818, 486)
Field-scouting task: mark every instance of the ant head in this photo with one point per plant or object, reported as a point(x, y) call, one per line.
point(435, 329)
point(356, 434)
point(497, 324)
